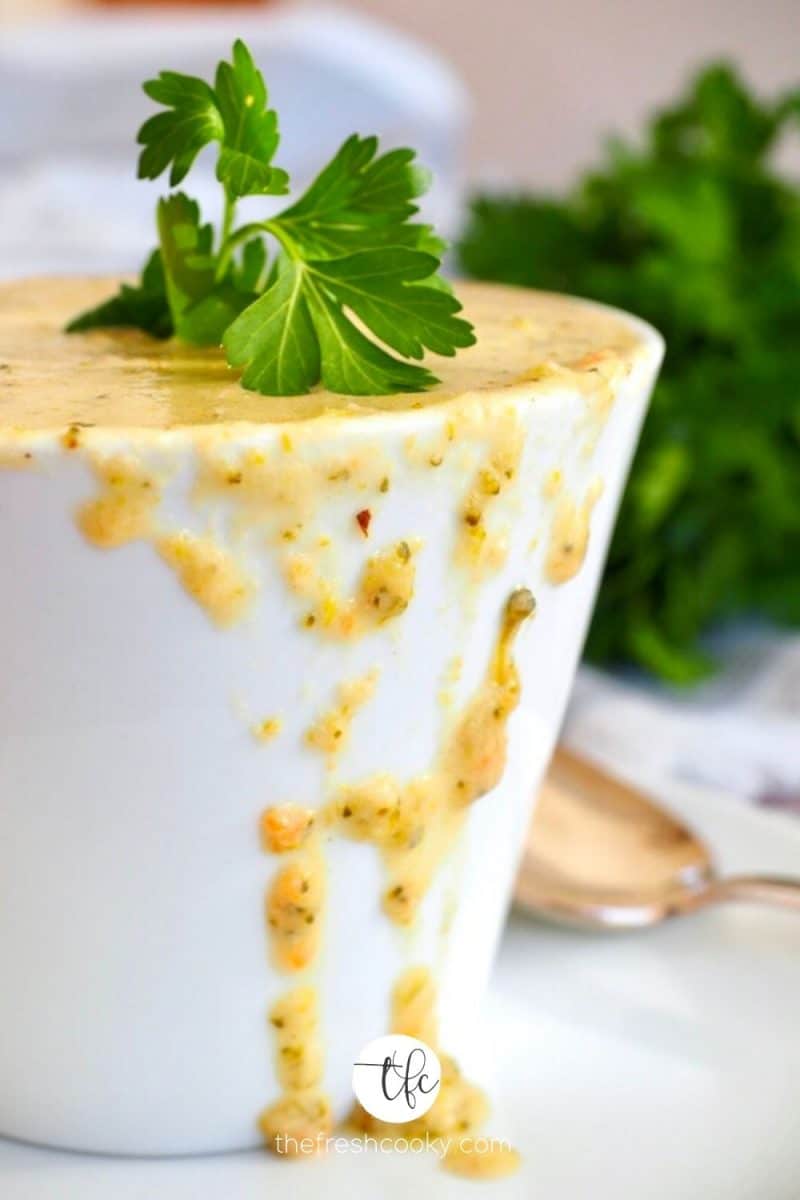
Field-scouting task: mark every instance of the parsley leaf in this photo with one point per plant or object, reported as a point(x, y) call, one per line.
point(360, 202)
point(202, 306)
point(694, 229)
point(137, 306)
point(186, 253)
point(376, 285)
point(298, 334)
point(234, 113)
point(250, 136)
point(275, 338)
point(249, 275)
point(356, 250)
point(354, 365)
point(174, 138)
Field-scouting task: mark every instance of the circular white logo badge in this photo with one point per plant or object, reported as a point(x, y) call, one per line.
point(396, 1078)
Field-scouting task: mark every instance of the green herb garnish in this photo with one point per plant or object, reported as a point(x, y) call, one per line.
point(280, 294)
point(696, 231)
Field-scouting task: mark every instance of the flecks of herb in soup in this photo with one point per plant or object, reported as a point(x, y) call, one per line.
point(303, 1110)
point(383, 593)
point(414, 824)
point(330, 732)
point(478, 547)
point(569, 536)
point(294, 909)
point(267, 729)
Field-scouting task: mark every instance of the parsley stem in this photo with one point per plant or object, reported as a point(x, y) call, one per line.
point(231, 242)
point(227, 218)
point(278, 232)
point(228, 213)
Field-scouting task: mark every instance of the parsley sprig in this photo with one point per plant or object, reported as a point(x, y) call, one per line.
point(322, 292)
point(695, 227)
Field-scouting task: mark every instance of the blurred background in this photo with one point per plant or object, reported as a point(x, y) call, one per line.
point(546, 82)
point(646, 154)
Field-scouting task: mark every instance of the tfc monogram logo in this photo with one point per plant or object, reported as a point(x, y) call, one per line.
point(396, 1078)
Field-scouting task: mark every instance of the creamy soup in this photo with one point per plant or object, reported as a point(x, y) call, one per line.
point(125, 378)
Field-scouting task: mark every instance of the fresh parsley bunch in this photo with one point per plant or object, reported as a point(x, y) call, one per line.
point(696, 231)
point(348, 247)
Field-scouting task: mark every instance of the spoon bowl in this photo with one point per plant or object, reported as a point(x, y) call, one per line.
point(601, 855)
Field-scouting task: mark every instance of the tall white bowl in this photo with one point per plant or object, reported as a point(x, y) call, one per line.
point(135, 971)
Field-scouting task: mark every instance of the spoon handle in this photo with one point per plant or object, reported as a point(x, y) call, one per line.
point(758, 889)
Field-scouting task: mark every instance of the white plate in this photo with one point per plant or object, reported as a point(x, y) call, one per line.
point(655, 1066)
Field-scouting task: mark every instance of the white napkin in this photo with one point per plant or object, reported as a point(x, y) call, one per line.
point(740, 732)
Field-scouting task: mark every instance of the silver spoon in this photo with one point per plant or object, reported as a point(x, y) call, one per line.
point(601, 855)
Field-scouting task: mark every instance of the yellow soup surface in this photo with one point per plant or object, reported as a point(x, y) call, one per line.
point(124, 378)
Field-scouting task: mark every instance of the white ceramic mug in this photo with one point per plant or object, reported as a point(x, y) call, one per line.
point(136, 976)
